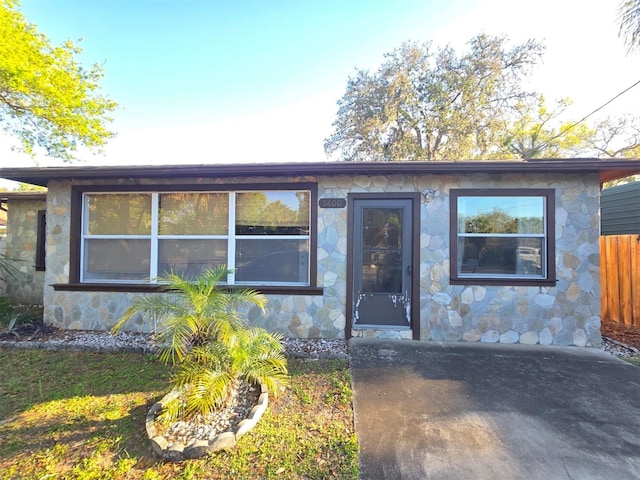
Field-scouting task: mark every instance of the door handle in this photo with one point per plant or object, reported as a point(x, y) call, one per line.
point(409, 270)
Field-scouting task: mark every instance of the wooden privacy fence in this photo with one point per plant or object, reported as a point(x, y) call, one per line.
point(620, 277)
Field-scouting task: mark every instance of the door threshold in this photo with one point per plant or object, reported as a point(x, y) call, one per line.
point(380, 327)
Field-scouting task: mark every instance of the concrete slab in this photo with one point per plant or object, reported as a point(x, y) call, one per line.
point(489, 411)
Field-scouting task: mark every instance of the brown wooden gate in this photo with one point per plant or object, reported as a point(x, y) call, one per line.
point(620, 278)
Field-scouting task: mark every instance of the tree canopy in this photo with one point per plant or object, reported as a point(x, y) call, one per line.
point(434, 104)
point(47, 98)
point(427, 103)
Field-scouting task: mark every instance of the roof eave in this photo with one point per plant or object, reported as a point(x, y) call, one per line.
point(4, 196)
point(609, 169)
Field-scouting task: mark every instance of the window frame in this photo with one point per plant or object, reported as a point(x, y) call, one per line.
point(549, 279)
point(77, 234)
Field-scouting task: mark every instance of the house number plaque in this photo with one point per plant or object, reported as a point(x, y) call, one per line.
point(332, 203)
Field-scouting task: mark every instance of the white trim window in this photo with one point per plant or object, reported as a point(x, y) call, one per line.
point(140, 236)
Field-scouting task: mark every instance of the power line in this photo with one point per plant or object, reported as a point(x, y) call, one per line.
point(589, 114)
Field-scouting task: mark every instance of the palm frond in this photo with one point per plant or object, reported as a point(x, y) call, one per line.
point(9, 270)
point(177, 336)
point(203, 390)
point(212, 390)
point(204, 335)
point(258, 357)
point(172, 410)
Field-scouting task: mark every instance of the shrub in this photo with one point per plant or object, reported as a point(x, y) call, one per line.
point(211, 346)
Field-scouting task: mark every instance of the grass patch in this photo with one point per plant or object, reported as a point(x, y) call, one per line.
point(80, 415)
point(633, 361)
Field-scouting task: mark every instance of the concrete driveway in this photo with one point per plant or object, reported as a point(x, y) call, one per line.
point(480, 411)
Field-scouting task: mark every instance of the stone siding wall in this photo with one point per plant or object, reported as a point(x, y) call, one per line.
point(293, 315)
point(567, 314)
point(20, 249)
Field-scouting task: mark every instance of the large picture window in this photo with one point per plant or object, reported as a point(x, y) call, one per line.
point(262, 236)
point(502, 236)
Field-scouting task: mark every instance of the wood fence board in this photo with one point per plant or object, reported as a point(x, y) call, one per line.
point(620, 277)
point(624, 276)
point(605, 270)
point(604, 306)
point(611, 278)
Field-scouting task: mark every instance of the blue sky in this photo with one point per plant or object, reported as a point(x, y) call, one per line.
point(258, 80)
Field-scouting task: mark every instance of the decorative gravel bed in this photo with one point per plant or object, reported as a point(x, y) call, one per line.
point(46, 337)
point(618, 348)
point(208, 426)
point(621, 339)
point(199, 435)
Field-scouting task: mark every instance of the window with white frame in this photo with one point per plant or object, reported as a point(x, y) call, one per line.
point(263, 236)
point(502, 235)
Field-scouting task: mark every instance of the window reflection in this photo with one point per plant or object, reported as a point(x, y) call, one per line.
point(501, 235)
point(272, 213)
point(485, 255)
point(119, 214)
point(193, 214)
point(190, 258)
point(382, 250)
point(266, 260)
point(116, 259)
point(191, 234)
point(501, 215)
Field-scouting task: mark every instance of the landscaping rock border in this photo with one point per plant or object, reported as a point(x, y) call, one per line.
point(199, 448)
point(105, 341)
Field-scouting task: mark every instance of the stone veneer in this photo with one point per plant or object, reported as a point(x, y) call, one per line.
point(566, 314)
point(20, 249)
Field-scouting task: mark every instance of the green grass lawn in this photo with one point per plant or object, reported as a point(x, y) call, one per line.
point(80, 415)
point(634, 361)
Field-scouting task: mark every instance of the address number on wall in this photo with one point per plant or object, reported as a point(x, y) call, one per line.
point(332, 203)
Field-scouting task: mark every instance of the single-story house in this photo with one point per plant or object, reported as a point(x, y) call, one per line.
point(493, 251)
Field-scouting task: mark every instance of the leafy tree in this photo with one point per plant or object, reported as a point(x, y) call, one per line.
point(209, 342)
point(433, 104)
point(630, 23)
point(616, 137)
point(47, 98)
point(537, 132)
point(193, 213)
point(497, 221)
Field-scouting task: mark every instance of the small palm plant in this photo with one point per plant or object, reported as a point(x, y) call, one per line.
point(204, 336)
point(9, 270)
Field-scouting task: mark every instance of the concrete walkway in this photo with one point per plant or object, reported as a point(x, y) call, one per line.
point(480, 411)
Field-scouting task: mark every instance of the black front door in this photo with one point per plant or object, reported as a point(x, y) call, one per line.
point(381, 263)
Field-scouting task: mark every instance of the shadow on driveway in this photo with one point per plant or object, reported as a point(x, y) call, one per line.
point(490, 411)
